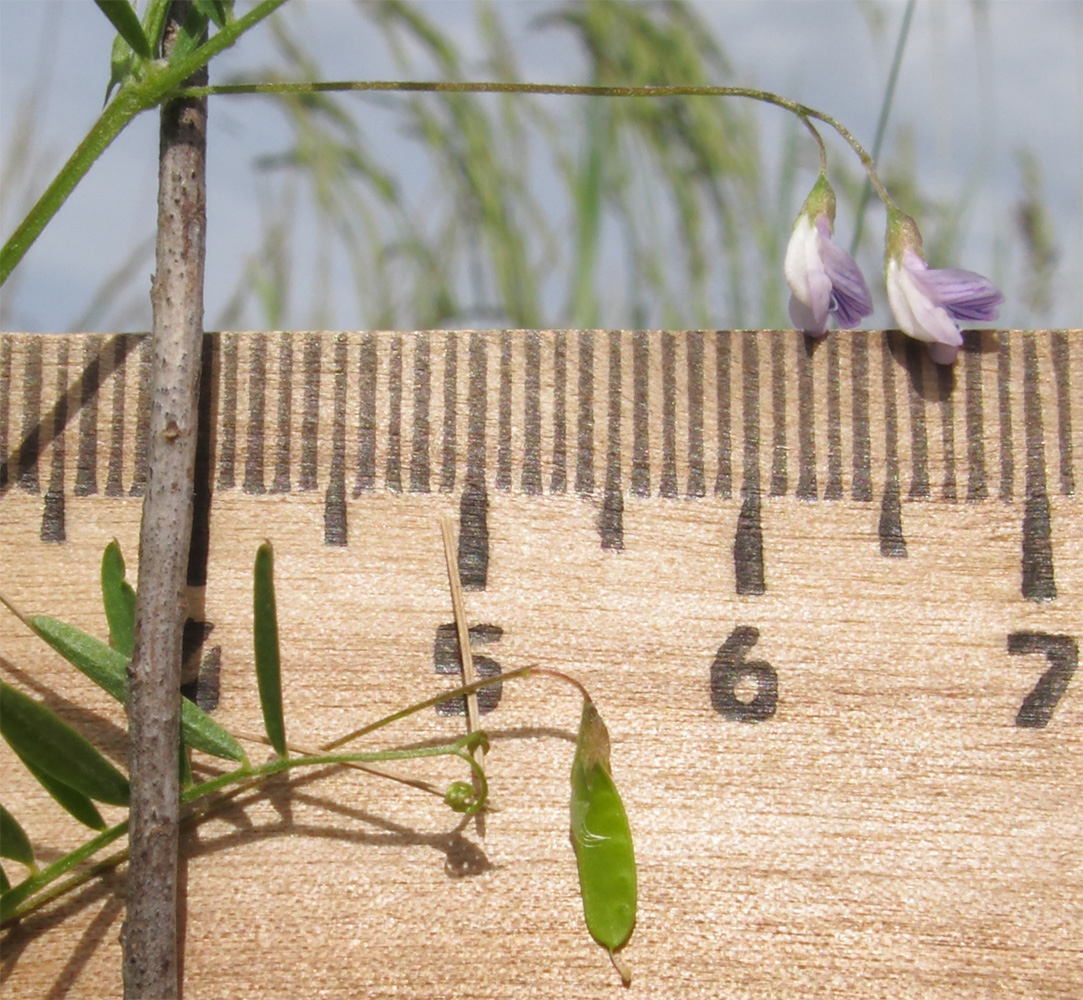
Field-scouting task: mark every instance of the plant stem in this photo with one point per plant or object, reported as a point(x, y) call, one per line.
point(28, 895)
point(150, 926)
point(881, 125)
point(802, 111)
point(159, 83)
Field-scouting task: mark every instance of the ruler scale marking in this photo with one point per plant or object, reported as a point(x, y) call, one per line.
point(806, 425)
point(833, 489)
point(559, 481)
point(667, 476)
point(503, 431)
point(892, 540)
point(31, 439)
point(919, 442)
point(748, 540)
point(451, 410)
point(473, 551)
point(393, 462)
point(531, 480)
point(723, 485)
point(1004, 412)
point(861, 486)
point(1061, 373)
point(584, 464)
point(977, 485)
point(419, 451)
point(46, 417)
point(945, 382)
point(310, 419)
point(1038, 583)
point(335, 527)
point(6, 345)
point(611, 515)
point(52, 518)
point(257, 404)
point(284, 433)
point(365, 481)
point(779, 465)
point(641, 415)
point(227, 450)
point(86, 474)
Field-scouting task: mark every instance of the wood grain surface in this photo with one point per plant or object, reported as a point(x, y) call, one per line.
point(811, 588)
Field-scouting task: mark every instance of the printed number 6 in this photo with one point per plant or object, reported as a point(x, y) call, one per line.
point(730, 668)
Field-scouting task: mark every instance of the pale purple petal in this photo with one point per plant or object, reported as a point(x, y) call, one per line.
point(943, 354)
point(811, 288)
point(824, 279)
point(964, 294)
point(850, 298)
point(804, 319)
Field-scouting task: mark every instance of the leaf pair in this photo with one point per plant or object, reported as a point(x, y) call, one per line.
point(138, 43)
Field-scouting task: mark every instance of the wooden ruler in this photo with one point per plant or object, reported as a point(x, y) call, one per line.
point(828, 597)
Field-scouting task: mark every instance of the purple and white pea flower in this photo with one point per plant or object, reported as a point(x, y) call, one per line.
point(928, 304)
point(824, 280)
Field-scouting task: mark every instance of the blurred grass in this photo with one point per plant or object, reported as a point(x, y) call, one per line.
point(587, 212)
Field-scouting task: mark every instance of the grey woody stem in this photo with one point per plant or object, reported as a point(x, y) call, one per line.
point(150, 929)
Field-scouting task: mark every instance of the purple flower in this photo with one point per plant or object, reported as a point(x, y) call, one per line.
point(928, 304)
point(823, 278)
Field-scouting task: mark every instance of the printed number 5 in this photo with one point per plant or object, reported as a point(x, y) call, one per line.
point(445, 653)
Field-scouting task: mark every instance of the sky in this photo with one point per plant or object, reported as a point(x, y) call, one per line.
point(979, 83)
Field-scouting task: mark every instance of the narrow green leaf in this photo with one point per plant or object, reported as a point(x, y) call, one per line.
point(185, 767)
point(121, 65)
point(14, 843)
point(108, 668)
point(118, 596)
point(124, 19)
point(268, 662)
point(212, 10)
point(154, 23)
point(44, 740)
point(72, 802)
point(190, 34)
point(4, 883)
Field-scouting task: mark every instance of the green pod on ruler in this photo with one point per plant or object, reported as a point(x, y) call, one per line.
point(602, 840)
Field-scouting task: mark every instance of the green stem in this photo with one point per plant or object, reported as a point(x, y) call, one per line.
point(160, 84)
point(18, 901)
point(9, 902)
point(428, 703)
point(802, 111)
point(881, 125)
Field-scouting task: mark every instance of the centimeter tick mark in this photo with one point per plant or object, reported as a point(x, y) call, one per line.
point(863, 417)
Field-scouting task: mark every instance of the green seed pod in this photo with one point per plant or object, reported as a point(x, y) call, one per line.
point(603, 841)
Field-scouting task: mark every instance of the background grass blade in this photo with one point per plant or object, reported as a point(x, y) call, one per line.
point(47, 742)
point(268, 663)
point(118, 596)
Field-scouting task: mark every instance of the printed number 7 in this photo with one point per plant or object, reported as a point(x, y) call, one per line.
point(1063, 654)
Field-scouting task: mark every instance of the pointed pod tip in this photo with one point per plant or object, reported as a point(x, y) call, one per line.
point(624, 970)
